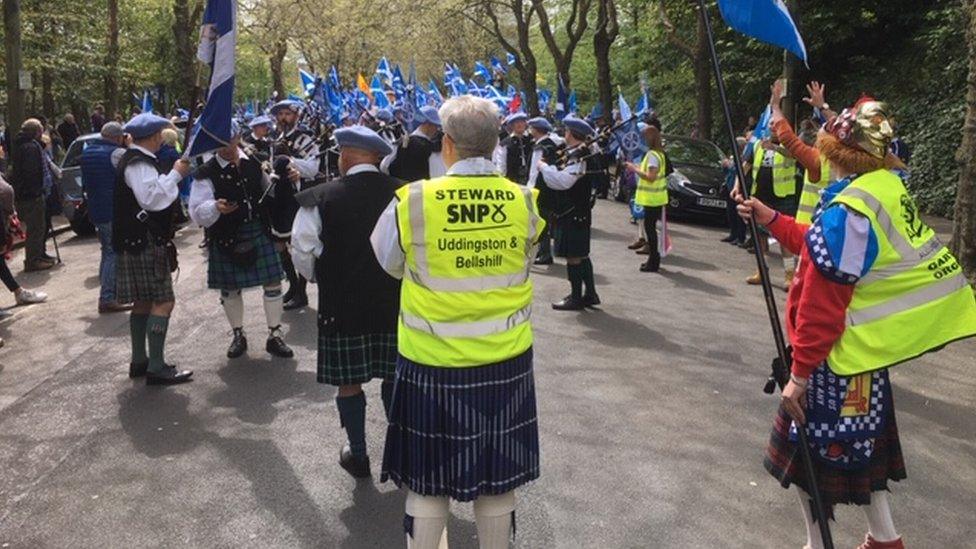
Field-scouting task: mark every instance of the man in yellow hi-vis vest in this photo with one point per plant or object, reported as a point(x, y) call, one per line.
point(875, 287)
point(463, 413)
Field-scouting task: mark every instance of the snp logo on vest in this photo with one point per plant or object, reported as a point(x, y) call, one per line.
point(476, 207)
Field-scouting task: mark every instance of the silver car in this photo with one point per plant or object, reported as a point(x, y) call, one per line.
point(72, 195)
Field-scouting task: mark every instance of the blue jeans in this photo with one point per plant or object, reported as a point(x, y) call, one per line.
point(106, 268)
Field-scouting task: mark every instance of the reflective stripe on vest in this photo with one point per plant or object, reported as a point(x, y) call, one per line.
point(784, 173)
point(652, 193)
point(810, 196)
point(914, 299)
point(466, 299)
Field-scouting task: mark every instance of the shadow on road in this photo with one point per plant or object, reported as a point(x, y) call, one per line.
point(688, 263)
point(253, 387)
point(618, 332)
point(689, 282)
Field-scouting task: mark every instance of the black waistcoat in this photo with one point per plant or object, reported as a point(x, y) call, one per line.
point(260, 149)
point(283, 205)
point(518, 155)
point(129, 232)
point(412, 163)
point(550, 155)
point(234, 184)
point(356, 296)
point(574, 205)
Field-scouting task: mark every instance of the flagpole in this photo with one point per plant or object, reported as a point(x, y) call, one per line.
point(781, 374)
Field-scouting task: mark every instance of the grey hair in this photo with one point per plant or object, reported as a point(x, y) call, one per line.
point(32, 126)
point(472, 124)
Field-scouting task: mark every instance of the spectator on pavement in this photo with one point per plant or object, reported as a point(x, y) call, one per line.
point(27, 178)
point(98, 118)
point(98, 166)
point(68, 130)
point(11, 228)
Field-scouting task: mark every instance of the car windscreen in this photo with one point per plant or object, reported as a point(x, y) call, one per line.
point(73, 157)
point(689, 151)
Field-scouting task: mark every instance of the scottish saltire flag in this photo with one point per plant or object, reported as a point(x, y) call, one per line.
point(498, 66)
point(761, 131)
point(571, 106)
point(146, 105)
point(435, 94)
point(383, 69)
point(308, 81)
point(334, 98)
point(473, 89)
point(218, 38)
point(562, 99)
point(481, 70)
point(399, 88)
point(412, 77)
point(545, 96)
point(494, 94)
point(765, 20)
point(379, 94)
point(334, 78)
point(510, 58)
point(623, 107)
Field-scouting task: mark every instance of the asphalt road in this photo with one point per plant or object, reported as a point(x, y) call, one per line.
point(651, 413)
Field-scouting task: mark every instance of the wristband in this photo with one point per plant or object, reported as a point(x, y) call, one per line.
point(773, 220)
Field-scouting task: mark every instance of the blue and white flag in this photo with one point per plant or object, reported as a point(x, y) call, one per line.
point(481, 70)
point(308, 81)
point(147, 104)
point(218, 38)
point(383, 69)
point(623, 107)
point(510, 58)
point(498, 66)
point(571, 106)
point(765, 20)
point(562, 100)
point(399, 88)
point(379, 93)
point(435, 94)
point(761, 131)
point(334, 78)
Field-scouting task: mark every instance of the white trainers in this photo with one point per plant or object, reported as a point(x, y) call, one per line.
point(28, 297)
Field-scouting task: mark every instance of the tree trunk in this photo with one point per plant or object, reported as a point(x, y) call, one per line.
point(964, 227)
point(185, 23)
point(703, 83)
point(11, 42)
point(606, 32)
point(276, 60)
point(47, 95)
point(112, 59)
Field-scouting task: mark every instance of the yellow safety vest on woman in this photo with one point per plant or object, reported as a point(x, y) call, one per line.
point(810, 195)
point(914, 299)
point(466, 296)
point(652, 193)
point(784, 172)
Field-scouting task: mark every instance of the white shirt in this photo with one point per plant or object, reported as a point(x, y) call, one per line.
point(307, 163)
point(564, 179)
point(203, 205)
point(385, 238)
point(536, 157)
point(435, 163)
point(306, 231)
point(154, 191)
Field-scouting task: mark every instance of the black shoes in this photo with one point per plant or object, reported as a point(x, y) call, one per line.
point(357, 466)
point(239, 344)
point(729, 239)
point(569, 303)
point(138, 369)
point(297, 302)
point(276, 344)
point(169, 376)
point(650, 267)
point(591, 300)
point(543, 260)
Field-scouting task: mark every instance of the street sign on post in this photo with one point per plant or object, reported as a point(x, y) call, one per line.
point(24, 81)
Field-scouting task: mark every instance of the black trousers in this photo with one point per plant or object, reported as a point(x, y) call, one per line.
point(7, 277)
point(737, 227)
point(652, 214)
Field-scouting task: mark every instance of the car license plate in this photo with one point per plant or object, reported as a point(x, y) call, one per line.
point(712, 202)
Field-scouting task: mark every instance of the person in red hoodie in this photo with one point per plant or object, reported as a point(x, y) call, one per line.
point(874, 287)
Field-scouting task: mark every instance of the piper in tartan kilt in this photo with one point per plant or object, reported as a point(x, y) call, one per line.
point(853, 311)
point(358, 300)
point(227, 199)
point(142, 236)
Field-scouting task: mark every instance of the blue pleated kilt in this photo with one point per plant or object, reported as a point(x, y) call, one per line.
point(223, 274)
point(463, 432)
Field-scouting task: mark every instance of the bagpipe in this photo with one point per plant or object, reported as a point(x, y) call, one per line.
point(585, 150)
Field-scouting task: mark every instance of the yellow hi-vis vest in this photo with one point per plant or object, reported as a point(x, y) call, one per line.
point(466, 296)
point(810, 195)
point(784, 172)
point(915, 298)
point(652, 193)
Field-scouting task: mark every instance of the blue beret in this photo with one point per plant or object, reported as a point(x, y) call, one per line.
point(144, 125)
point(289, 104)
point(361, 137)
point(384, 115)
point(429, 115)
point(516, 117)
point(260, 120)
point(579, 126)
point(540, 123)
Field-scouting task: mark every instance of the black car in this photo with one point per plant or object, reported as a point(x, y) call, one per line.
point(697, 185)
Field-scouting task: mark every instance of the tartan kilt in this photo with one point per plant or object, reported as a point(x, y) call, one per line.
point(462, 432)
point(143, 275)
point(354, 359)
point(836, 485)
point(572, 238)
point(223, 274)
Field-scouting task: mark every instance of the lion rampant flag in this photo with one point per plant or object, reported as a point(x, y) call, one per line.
point(363, 86)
